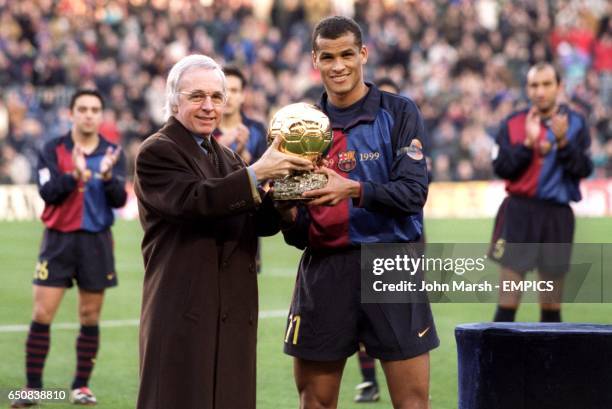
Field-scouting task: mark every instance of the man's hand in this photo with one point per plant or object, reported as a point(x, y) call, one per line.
point(274, 164)
point(532, 127)
point(337, 189)
point(111, 156)
point(558, 126)
point(80, 171)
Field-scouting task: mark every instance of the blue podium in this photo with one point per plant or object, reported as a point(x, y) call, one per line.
point(534, 366)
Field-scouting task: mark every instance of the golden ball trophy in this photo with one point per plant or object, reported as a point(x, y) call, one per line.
point(304, 130)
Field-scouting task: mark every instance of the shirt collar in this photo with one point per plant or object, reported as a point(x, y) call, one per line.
point(368, 109)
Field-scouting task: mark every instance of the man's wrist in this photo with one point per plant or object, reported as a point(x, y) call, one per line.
point(255, 168)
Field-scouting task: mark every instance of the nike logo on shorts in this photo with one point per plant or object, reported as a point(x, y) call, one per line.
point(422, 333)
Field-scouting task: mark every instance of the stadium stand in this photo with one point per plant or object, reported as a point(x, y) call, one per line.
point(461, 61)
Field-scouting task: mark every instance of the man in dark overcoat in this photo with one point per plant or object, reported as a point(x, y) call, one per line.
point(201, 211)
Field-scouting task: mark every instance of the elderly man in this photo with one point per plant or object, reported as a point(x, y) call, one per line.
point(201, 212)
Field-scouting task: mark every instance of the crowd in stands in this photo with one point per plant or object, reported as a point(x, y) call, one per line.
point(464, 63)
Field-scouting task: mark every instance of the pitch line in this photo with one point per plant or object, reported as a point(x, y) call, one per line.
point(121, 323)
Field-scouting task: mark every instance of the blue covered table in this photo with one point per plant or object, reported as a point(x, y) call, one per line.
point(534, 366)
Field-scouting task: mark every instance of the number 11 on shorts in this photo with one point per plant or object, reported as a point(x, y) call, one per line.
point(294, 324)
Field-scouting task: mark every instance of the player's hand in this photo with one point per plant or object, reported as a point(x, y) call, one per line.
point(275, 164)
point(242, 137)
point(111, 156)
point(558, 126)
point(532, 127)
point(337, 189)
point(246, 156)
point(227, 138)
point(80, 171)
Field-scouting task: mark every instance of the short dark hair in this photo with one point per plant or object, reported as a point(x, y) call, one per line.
point(388, 82)
point(543, 65)
point(79, 93)
point(334, 27)
point(233, 71)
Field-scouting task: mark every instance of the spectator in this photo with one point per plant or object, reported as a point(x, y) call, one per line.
point(462, 62)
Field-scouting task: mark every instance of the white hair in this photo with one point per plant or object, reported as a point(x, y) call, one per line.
point(177, 71)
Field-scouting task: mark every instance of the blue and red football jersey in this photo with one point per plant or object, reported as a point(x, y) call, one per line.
point(257, 144)
point(381, 148)
point(72, 205)
point(543, 171)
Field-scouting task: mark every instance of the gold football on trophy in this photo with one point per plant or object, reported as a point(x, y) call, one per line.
point(304, 130)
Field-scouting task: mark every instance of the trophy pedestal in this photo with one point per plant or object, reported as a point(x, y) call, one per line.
point(292, 186)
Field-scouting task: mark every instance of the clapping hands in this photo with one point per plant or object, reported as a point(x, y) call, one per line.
point(559, 125)
point(80, 171)
point(111, 157)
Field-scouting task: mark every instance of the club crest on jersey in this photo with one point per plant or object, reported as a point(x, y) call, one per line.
point(415, 150)
point(347, 161)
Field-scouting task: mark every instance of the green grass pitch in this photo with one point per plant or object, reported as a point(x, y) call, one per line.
point(115, 377)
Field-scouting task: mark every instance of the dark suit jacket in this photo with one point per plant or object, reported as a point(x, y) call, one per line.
point(199, 313)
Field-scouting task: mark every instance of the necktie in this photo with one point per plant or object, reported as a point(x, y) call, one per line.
point(206, 144)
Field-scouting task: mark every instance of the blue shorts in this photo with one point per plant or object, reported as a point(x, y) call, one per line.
point(533, 233)
point(327, 320)
point(80, 256)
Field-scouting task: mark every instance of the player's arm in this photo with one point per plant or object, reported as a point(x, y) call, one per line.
point(406, 191)
point(510, 161)
point(574, 155)
point(295, 230)
point(169, 187)
point(114, 183)
point(268, 221)
point(54, 186)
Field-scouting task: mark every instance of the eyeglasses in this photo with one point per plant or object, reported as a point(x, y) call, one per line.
point(197, 97)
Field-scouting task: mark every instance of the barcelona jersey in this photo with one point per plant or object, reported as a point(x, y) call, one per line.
point(72, 205)
point(381, 148)
point(544, 171)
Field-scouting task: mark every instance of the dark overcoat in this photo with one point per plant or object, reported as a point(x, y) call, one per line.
point(199, 310)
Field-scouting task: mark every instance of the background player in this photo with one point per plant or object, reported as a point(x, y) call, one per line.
point(243, 135)
point(388, 85)
point(362, 196)
point(80, 178)
point(542, 154)
point(240, 133)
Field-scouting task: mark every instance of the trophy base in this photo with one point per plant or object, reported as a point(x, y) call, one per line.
point(292, 187)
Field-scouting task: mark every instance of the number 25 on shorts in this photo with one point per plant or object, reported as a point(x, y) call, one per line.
point(42, 270)
point(294, 325)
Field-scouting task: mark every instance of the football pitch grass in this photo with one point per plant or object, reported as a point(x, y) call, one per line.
point(115, 377)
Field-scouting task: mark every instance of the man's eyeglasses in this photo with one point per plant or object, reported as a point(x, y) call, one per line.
point(197, 97)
